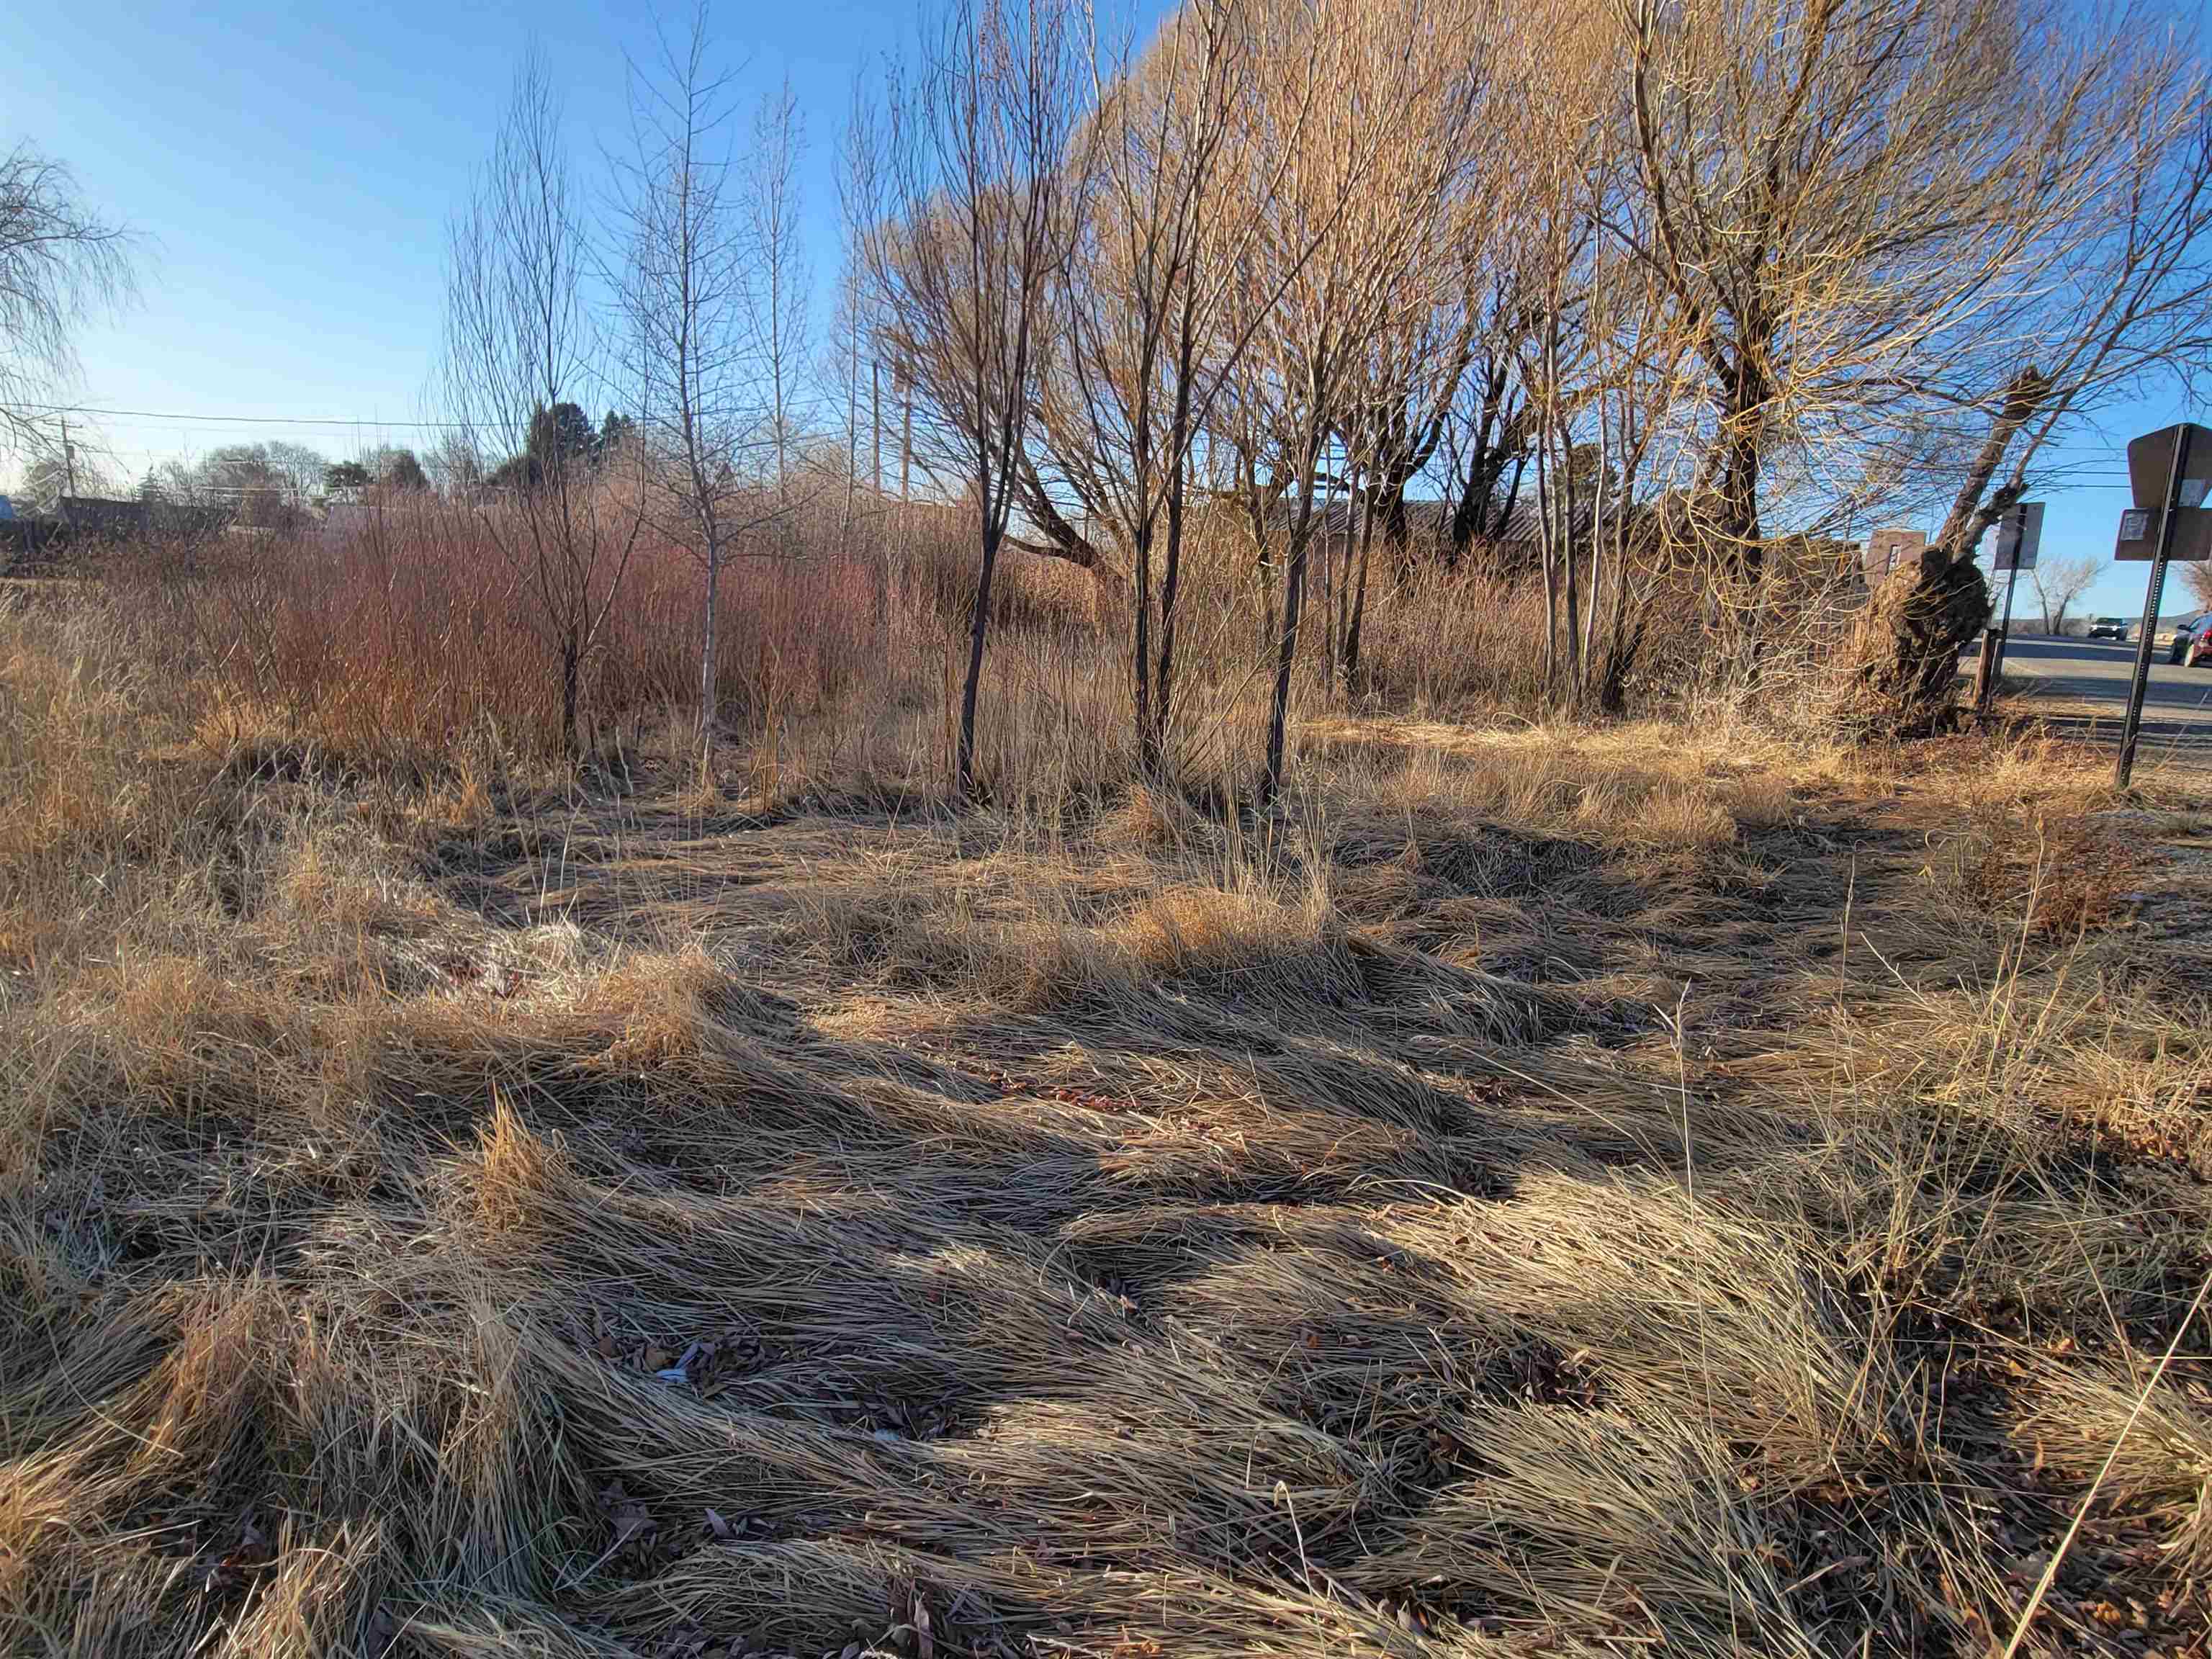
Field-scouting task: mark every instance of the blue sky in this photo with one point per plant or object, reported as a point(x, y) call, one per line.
point(292, 168)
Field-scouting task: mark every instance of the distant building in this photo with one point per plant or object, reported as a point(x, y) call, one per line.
point(29, 541)
point(101, 520)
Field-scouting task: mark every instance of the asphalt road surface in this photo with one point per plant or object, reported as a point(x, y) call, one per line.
point(2080, 687)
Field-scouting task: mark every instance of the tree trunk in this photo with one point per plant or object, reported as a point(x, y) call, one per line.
point(707, 657)
point(1356, 631)
point(570, 676)
point(1326, 668)
point(963, 771)
point(1545, 556)
point(1147, 757)
point(1286, 647)
point(1294, 585)
point(1268, 572)
point(1471, 516)
point(1902, 663)
point(1572, 613)
point(1355, 513)
point(1171, 581)
point(1905, 648)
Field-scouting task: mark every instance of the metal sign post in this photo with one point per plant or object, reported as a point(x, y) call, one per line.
point(2178, 489)
point(2019, 537)
point(2004, 629)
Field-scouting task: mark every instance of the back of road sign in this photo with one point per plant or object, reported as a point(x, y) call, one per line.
point(1886, 550)
point(2150, 471)
point(2020, 533)
point(2150, 467)
point(2138, 539)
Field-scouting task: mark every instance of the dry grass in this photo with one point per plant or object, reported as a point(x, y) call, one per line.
point(1543, 1191)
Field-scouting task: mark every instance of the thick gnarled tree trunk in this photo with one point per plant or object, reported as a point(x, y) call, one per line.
point(1905, 648)
point(1901, 670)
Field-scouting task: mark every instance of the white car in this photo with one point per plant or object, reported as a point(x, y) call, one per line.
point(2189, 640)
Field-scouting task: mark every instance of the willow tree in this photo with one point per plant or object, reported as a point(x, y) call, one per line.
point(1170, 279)
point(1856, 209)
point(964, 209)
point(2110, 297)
point(61, 263)
point(1370, 111)
point(1438, 323)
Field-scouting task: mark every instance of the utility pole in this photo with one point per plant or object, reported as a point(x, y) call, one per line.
point(852, 430)
point(876, 423)
point(906, 439)
point(69, 456)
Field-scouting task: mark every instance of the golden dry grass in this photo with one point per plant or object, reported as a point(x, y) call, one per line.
point(1543, 1191)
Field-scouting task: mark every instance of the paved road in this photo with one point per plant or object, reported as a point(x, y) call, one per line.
point(2080, 686)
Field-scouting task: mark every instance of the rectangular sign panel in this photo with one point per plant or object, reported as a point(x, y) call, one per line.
point(2150, 467)
point(1886, 550)
point(2019, 534)
point(2138, 538)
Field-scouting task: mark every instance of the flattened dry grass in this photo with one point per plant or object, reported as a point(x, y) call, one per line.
point(1539, 1192)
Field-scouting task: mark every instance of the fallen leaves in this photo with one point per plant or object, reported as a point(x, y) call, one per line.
point(910, 1636)
point(707, 1365)
point(237, 1566)
point(635, 1533)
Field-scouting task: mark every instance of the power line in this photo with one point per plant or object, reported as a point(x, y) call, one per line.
point(2104, 469)
point(242, 420)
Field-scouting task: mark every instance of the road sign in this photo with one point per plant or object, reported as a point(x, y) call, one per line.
point(2165, 469)
point(2154, 460)
point(1886, 550)
point(2020, 533)
point(2151, 465)
point(2192, 531)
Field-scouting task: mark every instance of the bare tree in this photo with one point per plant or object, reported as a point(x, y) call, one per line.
point(1140, 351)
point(1371, 158)
point(299, 467)
point(687, 292)
point(264, 485)
point(1853, 204)
point(55, 474)
point(61, 263)
point(1403, 391)
point(1644, 375)
point(965, 211)
point(1484, 442)
point(778, 278)
point(1825, 184)
point(456, 470)
point(520, 344)
point(2197, 582)
point(2059, 583)
point(2111, 292)
point(1560, 232)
